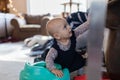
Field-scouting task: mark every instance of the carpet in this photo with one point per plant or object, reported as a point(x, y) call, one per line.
point(13, 56)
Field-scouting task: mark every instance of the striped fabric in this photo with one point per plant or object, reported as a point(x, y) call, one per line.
point(76, 19)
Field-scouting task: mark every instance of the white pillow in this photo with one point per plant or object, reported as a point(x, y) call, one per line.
point(37, 39)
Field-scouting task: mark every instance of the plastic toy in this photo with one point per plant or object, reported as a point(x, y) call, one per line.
point(38, 71)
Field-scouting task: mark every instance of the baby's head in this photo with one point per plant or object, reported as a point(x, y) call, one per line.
point(58, 28)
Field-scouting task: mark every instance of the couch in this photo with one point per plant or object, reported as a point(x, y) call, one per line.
point(5, 26)
point(29, 26)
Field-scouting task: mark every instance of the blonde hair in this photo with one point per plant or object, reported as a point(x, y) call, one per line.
point(53, 24)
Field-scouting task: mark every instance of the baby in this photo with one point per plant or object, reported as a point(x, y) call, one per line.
point(63, 50)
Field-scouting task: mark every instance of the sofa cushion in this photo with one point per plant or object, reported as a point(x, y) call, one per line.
point(30, 28)
point(34, 19)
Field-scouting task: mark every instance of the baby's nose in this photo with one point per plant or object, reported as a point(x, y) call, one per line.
point(69, 28)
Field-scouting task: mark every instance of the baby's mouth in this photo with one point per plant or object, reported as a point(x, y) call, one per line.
point(70, 33)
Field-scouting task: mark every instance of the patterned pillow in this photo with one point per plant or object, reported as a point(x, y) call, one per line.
point(76, 19)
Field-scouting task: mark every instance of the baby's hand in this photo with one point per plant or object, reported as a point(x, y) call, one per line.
point(85, 55)
point(57, 72)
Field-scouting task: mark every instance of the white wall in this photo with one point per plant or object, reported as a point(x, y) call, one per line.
point(44, 6)
point(20, 5)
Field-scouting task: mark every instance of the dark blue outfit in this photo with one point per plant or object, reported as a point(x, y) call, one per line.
point(69, 59)
point(76, 19)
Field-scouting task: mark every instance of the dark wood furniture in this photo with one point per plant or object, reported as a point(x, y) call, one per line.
point(113, 50)
point(3, 6)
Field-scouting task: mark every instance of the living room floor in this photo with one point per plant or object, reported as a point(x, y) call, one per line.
point(13, 56)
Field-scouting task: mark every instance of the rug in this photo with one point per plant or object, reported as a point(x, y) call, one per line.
point(13, 56)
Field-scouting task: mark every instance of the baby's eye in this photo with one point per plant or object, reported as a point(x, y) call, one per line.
point(65, 27)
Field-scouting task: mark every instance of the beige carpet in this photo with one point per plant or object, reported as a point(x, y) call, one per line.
point(12, 59)
point(13, 56)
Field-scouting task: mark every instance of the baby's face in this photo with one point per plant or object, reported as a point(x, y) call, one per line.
point(64, 30)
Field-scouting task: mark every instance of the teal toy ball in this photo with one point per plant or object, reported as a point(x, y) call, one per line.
point(38, 71)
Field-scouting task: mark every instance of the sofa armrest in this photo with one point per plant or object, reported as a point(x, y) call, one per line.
point(17, 22)
point(43, 25)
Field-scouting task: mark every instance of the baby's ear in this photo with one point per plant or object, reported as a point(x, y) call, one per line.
point(56, 36)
